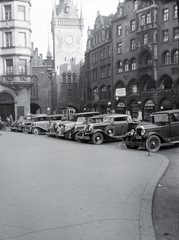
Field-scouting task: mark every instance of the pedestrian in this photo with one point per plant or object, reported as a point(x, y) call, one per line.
point(11, 119)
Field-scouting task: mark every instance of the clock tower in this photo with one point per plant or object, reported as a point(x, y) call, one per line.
point(67, 32)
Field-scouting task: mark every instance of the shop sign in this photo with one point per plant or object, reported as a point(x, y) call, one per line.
point(120, 92)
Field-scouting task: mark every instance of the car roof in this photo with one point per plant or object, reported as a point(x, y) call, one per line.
point(117, 115)
point(99, 116)
point(167, 111)
point(85, 113)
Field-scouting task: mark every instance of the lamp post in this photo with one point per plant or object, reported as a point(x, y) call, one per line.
point(51, 74)
point(109, 107)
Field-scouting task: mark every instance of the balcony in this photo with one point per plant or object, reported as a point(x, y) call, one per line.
point(16, 82)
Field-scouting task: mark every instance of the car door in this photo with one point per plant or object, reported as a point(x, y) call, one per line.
point(120, 125)
point(174, 127)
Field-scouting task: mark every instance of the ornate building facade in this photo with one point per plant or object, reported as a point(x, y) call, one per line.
point(143, 58)
point(15, 58)
point(67, 32)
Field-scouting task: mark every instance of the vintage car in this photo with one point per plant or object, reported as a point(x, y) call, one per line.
point(113, 127)
point(162, 129)
point(41, 123)
point(73, 132)
point(79, 119)
point(14, 125)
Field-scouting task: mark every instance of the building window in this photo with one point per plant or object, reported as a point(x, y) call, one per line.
point(126, 66)
point(165, 14)
point(145, 38)
point(64, 77)
point(21, 12)
point(167, 58)
point(96, 94)
point(119, 30)
point(21, 39)
point(142, 22)
point(134, 64)
point(7, 10)
point(108, 51)
point(69, 92)
point(101, 54)
point(133, 44)
point(120, 11)
point(22, 67)
point(165, 36)
point(175, 57)
point(74, 78)
point(133, 25)
point(8, 37)
point(9, 67)
point(176, 33)
point(119, 66)
point(149, 18)
point(94, 72)
point(104, 92)
point(135, 4)
point(119, 48)
point(103, 72)
point(109, 70)
point(175, 11)
point(34, 89)
point(69, 77)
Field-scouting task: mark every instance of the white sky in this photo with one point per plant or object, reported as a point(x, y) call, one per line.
point(41, 12)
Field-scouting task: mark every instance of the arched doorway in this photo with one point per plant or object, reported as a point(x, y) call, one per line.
point(166, 105)
point(35, 108)
point(6, 105)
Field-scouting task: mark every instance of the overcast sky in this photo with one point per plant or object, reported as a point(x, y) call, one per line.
point(41, 12)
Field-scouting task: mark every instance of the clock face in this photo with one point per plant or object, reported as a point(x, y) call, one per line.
point(69, 39)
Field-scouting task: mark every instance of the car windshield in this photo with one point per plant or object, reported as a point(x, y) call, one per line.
point(81, 119)
point(161, 118)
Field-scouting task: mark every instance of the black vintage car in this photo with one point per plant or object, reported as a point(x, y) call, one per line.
point(162, 129)
point(113, 127)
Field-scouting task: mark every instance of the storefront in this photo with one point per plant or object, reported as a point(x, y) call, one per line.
point(149, 108)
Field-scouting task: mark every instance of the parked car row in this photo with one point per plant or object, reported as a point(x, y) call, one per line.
point(96, 128)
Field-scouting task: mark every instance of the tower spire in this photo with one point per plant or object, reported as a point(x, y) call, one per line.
point(49, 55)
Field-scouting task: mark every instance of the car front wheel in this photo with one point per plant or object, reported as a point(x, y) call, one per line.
point(76, 137)
point(153, 143)
point(97, 138)
point(36, 131)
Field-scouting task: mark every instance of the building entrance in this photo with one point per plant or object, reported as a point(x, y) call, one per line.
point(6, 106)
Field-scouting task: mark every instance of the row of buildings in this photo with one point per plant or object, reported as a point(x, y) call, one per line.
point(130, 61)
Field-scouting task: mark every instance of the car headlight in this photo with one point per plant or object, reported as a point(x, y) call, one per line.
point(132, 132)
point(143, 131)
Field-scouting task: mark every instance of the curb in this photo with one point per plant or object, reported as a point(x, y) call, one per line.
point(145, 214)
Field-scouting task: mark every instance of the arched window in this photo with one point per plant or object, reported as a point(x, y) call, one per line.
point(104, 92)
point(64, 77)
point(166, 83)
point(167, 58)
point(34, 89)
point(74, 78)
point(96, 94)
point(69, 77)
point(175, 57)
point(119, 66)
point(133, 64)
point(126, 66)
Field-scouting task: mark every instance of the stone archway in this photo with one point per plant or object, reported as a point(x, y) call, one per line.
point(6, 105)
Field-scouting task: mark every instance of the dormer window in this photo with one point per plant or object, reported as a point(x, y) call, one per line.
point(120, 11)
point(67, 9)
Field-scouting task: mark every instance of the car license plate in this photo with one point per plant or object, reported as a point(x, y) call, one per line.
point(138, 137)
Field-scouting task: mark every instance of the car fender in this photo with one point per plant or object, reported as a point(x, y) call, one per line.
point(39, 127)
point(105, 135)
point(149, 134)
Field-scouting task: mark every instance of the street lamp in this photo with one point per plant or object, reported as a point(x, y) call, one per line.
point(51, 74)
point(109, 107)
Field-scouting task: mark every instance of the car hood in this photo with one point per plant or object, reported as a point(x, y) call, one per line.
point(149, 126)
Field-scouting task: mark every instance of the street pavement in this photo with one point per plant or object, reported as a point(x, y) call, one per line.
point(55, 189)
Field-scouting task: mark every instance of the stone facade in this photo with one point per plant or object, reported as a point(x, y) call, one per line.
point(15, 58)
point(144, 58)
